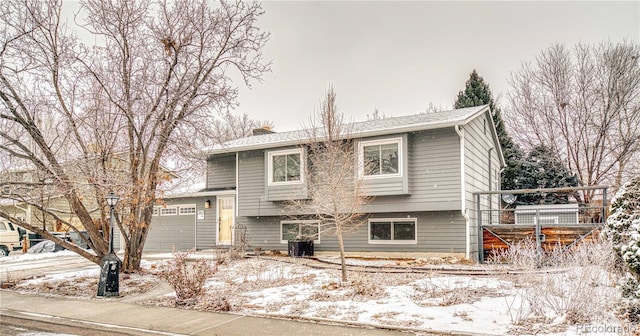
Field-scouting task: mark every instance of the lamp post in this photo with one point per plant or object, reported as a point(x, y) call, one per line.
point(109, 274)
point(112, 201)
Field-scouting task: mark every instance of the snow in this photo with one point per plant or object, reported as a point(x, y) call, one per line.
point(37, 256)
point(428, 301)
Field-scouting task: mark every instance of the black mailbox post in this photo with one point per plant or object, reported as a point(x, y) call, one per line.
point(109, 284)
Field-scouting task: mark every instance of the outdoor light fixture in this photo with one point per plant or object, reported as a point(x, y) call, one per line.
point(112, 200)
point(207, 204)
point(109, 284)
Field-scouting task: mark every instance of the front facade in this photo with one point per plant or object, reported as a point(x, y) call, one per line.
point(421, 169)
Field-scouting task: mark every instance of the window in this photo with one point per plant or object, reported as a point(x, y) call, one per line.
point(380, 157)
point(168, 211)
point(187, 210)
point(285, 167)
point(156, 211)
point(393, 231)
point(290, 230)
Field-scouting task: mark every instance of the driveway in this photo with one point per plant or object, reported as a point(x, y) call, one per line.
point(14, 269)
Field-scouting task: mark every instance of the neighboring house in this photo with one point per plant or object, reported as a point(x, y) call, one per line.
point(429, 166)
point(21, 186)
point(12, 190)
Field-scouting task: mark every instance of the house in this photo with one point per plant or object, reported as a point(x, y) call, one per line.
point(25, 191)
point(429, 166)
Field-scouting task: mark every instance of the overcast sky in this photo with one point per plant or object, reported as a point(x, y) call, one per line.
point(400, 56)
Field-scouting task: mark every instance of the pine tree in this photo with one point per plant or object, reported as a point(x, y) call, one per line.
point(543, 169)
point(476, 93)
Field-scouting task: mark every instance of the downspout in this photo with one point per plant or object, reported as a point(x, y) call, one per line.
point(490, 180)
point(463, 191)
point(237, 184)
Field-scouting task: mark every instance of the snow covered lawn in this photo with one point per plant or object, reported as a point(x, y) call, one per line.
point(492, 304)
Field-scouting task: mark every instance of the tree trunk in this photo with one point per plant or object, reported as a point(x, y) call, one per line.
point(343, 261)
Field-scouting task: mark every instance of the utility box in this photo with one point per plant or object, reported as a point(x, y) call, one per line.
point(547, 214)
point(300, 248)
point(109, 284)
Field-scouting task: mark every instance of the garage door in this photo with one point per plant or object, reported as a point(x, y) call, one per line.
point(173, 228)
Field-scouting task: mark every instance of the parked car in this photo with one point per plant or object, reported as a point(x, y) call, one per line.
point(9, 238)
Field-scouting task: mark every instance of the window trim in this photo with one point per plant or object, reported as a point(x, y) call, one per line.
point(380, 142)
point(315, 241)
point(392, 241)
point(272, 154)
point(169, 207)
point(187, 206)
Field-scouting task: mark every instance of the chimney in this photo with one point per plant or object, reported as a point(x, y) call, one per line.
point(262, 130)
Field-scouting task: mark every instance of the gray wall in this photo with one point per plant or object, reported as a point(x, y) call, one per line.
point(433, 178)
point(221, 171)
point(385, 186)
point(442, 231)
point(284, 192)
point(478, 140)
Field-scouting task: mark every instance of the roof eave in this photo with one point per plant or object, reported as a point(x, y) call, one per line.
point(387, 131)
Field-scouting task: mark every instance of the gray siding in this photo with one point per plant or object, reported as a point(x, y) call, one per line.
point(283, 192)
point(221, 171)
point(433, 179)
point(479, 159)
point(251, 186)
point(206, 228)
point(442, 232)
point(386, 186)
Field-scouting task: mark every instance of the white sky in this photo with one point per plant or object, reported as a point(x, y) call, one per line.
point(400, 56)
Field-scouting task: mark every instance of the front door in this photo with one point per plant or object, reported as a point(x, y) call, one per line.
point(226, 217)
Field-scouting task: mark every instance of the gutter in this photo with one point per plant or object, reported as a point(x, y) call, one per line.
point(463, 201)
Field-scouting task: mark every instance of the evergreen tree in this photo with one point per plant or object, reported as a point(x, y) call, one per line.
point(476, 93)
point(543, 169)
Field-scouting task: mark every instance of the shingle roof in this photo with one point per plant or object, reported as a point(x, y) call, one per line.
point(416, 122)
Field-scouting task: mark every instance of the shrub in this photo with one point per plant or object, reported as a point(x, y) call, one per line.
point(187, 278)
point(623, 229)
point(576, 283)
point(623, 224)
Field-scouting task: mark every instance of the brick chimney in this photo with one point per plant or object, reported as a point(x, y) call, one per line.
point(262, 130)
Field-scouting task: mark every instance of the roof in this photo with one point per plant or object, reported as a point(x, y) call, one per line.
point(385, 126)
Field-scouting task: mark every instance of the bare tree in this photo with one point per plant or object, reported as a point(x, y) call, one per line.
point(105, 117)
point(585, 105)
point(230, 127)
point(335, 195)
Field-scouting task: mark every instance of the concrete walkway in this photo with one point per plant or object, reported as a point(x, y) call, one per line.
point(113, 317)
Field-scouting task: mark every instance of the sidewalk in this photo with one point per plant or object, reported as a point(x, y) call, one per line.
point(115, 317)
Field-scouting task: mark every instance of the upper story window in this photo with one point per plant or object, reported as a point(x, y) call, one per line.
point(285, 167)
point(380, 157)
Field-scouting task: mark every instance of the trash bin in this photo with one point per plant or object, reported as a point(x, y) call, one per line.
point(300, 248)
point(109, 284)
